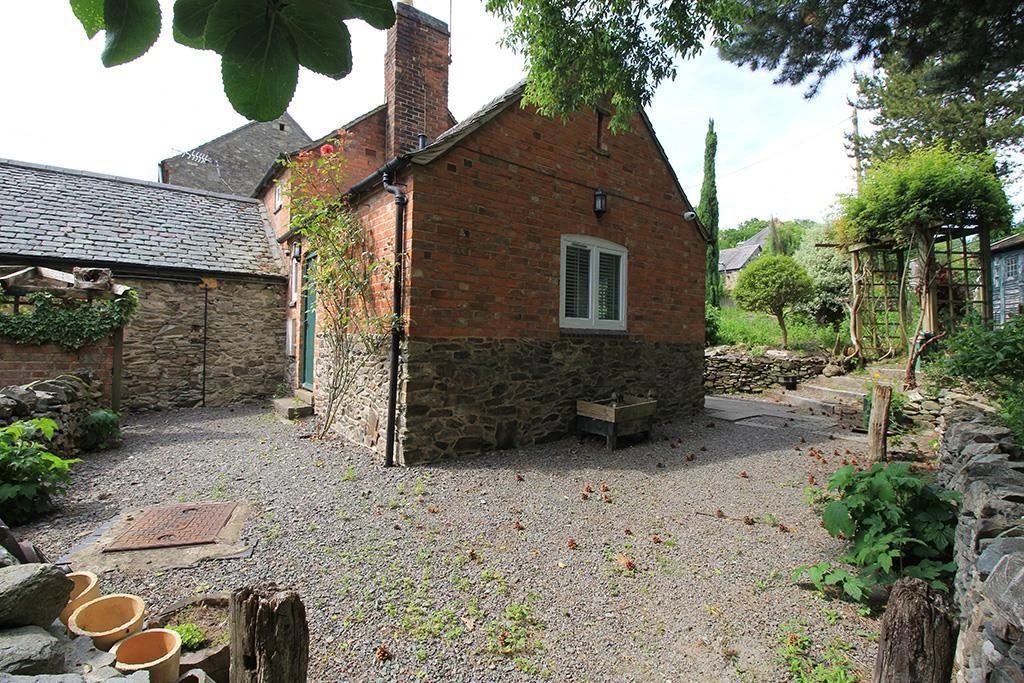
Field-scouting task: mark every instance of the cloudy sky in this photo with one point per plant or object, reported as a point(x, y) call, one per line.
point(779, 154)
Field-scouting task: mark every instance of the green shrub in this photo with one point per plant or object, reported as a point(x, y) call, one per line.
point(895, 523)
point(192, 637)
point(101, 429)
point(30, 475)
point(712, 315)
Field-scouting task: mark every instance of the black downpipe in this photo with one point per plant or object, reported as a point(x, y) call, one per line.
point(396, 324)
point(206, 320)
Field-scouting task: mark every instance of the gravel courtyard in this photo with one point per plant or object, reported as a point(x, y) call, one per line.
point(562, 562)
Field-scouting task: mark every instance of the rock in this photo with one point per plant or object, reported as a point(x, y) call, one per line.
point(6, 558)
point(137, 677)
point(48, 678)
point(82, 657)
point(1005, 588)
point(30, 650)
point(32, 594)
point(931, 406)
point(832, 370)
point(194, 676)
point(103, 674)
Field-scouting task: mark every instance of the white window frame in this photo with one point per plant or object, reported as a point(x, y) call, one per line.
point(278, 197)
point(596, 247)
point(1015, 260)
point(295, 280)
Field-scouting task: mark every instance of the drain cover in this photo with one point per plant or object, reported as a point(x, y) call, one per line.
point(175, 525)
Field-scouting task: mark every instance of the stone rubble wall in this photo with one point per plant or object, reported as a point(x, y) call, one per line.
point(67, 399)
point(241, 323)
point(469, 395)
point(728, 370)
point(980, 460)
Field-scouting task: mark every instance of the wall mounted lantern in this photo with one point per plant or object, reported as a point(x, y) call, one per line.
point(600, 202)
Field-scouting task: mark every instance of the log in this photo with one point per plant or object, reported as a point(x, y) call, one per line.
point(269, 635)
point(918, 636)
point(878, 425)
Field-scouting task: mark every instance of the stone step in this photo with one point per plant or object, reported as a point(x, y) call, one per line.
point(847, 395)
point(305, 395)
point(292, 408)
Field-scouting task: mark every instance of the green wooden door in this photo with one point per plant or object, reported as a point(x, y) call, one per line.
point(308, 324)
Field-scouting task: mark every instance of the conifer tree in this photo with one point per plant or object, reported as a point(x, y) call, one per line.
point(707, 210)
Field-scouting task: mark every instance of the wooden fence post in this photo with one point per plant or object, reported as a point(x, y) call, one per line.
point(918, 636)
point(878, 425)
point(269, 636)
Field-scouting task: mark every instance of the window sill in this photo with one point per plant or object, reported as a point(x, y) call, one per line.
point(591, 332)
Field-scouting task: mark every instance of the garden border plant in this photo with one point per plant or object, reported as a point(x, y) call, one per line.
point(30, 475)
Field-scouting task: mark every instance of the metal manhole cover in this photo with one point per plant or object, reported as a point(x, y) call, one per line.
point(175, 525)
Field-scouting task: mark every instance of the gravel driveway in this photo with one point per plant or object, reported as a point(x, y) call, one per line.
point(501, 567)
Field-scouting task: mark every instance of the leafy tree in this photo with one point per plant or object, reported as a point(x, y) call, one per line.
point(773, 284)
point(802, 39)
point(785, 238)
point(909, 112)
point(261, 42)
point(829, 269)
point(580, 53)
point(708, 212)
point(727, 239)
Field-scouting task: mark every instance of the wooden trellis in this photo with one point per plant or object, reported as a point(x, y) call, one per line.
point(880, 291)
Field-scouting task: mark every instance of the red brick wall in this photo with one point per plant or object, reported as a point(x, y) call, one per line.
point(24, 363)
point(489, 216)
point(415, 79)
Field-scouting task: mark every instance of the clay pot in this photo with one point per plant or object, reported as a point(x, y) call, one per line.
point(108, 619)
point(157, 651)
point(87, 587)
point(213, 660)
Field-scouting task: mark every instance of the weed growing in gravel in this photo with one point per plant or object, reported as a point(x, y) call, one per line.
point(349, 474)
point(419, 488)
point(489, 575)
point(815, 496)
point(808, 663)
point(515, 633)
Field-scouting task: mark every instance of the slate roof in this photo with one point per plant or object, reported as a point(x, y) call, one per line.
point(238, 159)
point(759, 239)
point(1011, 242)
point(54, 213)
point(735, 258)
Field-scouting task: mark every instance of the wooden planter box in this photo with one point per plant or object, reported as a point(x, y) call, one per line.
point(612, 419)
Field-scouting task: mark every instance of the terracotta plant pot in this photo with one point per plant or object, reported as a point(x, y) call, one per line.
point(157, 651)
point(108, 619)
point(214, 659)
point(87, 588)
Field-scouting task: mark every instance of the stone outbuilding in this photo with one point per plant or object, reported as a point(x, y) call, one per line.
point(209, 328)
point(544, 261)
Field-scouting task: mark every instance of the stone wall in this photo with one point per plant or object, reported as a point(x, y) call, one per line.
point(67, 399)
point(467, 395)
point(362, 413)
point(731, 371)
point(981, 461)
point(239, 325)
point(24, 363)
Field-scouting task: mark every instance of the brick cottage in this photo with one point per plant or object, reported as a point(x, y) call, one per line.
point(519, 296)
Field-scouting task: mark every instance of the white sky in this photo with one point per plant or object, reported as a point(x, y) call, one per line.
point(778, 154)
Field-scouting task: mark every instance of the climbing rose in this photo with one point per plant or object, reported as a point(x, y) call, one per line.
point(327, 148)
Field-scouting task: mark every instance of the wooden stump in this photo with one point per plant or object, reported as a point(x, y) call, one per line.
point(918, 636)
point(269, 636)
point(878, 425)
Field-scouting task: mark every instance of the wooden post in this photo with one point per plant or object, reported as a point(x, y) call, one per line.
point(269, 636)
point(918, 636)
point(117, 370)
point(878, 425)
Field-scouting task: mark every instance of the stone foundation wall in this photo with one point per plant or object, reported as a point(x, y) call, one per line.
point(24, 363)
point(362, 414)
point(730, 371)
point(981, 460)
point(239, 322)
point(467, 395)
point(67, 399)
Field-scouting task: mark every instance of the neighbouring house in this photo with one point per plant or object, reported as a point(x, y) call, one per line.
point(235, 162)
point(1007, 289)
point(209, 328)
point(544, 261)
point(731, 261)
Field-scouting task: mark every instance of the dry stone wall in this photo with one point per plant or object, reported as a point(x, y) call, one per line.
point(728, 370)
point(67, 399)
point(981, 461)
point(231, 329)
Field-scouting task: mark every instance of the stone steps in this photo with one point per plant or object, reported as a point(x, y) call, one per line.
point(293, 407)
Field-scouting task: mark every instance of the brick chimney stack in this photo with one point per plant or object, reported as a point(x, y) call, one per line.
point(415, 79)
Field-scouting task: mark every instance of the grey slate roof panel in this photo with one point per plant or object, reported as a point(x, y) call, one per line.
point(48, 212)
point(1011, 242)
point(737, 257)
point(238, 159)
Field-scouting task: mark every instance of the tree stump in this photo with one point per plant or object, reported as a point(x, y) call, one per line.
point(878, 425)
point(918, 636)
point(269, 635)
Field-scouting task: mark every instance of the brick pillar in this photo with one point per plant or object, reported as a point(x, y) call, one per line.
point(415, 79)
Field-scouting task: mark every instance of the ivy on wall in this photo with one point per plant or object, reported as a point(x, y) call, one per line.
point(69, 323)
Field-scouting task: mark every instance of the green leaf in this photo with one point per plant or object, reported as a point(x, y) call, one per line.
point(260, 71)
point(195, 43)
point(190, 17)
point(321, 38)
point(132, 27)
point(90, 14)
point(837, 519)
point(230, 17)
point(377, 13)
